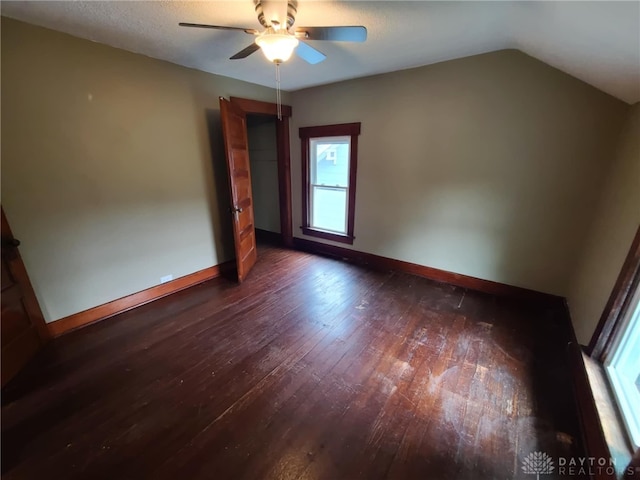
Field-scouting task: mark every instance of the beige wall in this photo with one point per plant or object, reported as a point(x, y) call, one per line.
point(107, 171)
point(615, 223)
point(263, 155)
point(487, 166)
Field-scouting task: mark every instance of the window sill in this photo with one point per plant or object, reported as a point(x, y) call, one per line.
point(610, 420)
point(336, 237)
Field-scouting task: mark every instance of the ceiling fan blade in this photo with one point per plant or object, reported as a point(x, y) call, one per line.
point(337, 34)
point(309, 54)
point(246, 52)
point(251, 31)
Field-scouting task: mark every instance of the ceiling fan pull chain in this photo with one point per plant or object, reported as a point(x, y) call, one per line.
point(278, 93)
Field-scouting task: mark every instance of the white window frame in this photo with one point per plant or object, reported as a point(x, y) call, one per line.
point(623, 368)
point(314, 186)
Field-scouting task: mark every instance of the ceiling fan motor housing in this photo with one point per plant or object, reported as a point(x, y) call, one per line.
point(272, 13)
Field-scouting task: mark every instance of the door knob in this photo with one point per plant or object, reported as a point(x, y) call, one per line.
point(235, 210)
point(10, 242)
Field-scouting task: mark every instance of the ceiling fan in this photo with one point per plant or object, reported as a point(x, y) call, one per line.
point(280, 39)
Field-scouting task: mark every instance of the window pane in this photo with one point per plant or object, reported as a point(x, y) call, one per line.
point(330, 161)
point(329, 209)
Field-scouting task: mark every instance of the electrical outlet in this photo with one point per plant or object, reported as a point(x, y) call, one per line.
point(166, 278)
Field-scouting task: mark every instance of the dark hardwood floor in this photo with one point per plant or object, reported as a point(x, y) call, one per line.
point(313, 368)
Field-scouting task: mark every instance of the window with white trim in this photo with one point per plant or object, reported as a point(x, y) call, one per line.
point(623, 369)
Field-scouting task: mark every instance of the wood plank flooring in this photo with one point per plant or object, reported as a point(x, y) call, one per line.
point(311, 369)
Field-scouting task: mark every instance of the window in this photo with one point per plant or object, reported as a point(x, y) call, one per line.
point(616, 341)
point(329, 159)
point(623, 370)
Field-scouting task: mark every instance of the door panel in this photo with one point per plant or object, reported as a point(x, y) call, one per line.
point(234, 131)
point(23, 329)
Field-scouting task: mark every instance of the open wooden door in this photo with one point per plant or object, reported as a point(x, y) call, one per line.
point(23, 329)
point(234, 131)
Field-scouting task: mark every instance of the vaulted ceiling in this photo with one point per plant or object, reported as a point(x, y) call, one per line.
point(597, 42)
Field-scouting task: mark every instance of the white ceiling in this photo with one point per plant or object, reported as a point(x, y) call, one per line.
point(598, 42)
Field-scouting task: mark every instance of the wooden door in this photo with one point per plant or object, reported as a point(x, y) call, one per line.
point(234, 131)
point(23, 329)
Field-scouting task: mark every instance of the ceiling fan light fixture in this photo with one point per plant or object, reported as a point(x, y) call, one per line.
point(277, 47)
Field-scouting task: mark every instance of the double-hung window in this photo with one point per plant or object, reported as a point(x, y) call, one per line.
point(329, 162)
